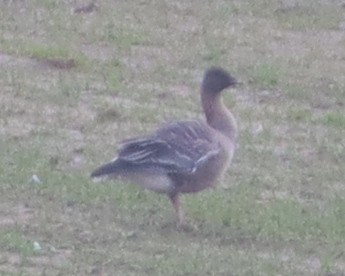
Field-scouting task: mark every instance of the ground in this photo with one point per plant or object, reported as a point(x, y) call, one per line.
point(78, 77)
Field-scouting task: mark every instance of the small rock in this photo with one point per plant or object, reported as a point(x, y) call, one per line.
point(35, 179)
point(37, 246)
point(132, 235)
point(257, 128)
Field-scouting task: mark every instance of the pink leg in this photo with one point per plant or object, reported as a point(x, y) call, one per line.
point(175, 200)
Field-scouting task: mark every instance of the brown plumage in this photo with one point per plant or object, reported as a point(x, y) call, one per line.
point(184, 156)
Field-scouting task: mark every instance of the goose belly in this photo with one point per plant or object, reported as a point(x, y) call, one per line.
point(207, 175)
point(157, 182)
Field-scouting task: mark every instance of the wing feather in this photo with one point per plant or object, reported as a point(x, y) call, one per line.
point(178, 147)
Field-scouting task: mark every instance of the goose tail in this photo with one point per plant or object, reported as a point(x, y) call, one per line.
point(105, 171)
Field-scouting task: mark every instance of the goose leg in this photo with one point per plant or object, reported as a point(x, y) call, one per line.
point(175, 200)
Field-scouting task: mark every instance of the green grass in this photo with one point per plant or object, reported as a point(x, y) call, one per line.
point(309, 16)
point(43, 52)
point(300, 115)
point(124, 38)
point(266, 76)
point(335, 119)
point(16, 242)
point(280, 208)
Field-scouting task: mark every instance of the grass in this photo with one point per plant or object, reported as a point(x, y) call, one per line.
point(335, 119)
point(307, 16)
point(14, 241)
point(280, 208)
point(55, 56)
point(266, 76)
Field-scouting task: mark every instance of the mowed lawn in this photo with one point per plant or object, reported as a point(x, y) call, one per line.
point(75, 79)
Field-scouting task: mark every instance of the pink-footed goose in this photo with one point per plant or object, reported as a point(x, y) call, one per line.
point(184, 156)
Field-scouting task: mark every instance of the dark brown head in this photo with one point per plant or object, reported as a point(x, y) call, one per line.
point(217, 79)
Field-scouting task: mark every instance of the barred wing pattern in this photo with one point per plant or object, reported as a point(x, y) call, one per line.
point(179, 147)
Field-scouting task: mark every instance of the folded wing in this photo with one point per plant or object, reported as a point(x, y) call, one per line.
point(179, 147)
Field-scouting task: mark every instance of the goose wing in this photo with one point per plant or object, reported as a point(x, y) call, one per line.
point(179, 147)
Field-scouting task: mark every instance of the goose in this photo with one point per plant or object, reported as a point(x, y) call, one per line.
point(184, 156)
